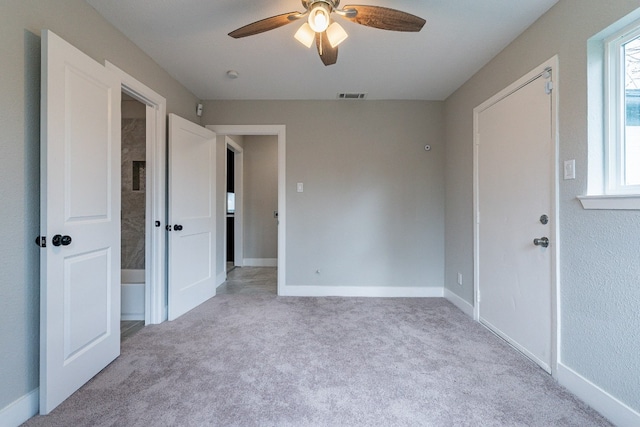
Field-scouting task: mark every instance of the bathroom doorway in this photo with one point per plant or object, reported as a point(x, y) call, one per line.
point(133, 215)
point(155, 171)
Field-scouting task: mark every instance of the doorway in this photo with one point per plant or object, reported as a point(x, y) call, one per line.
point(155, 244)
point(516, 215)
point(133, 215)
point(233, 207)
point(230, 211)
point(280, 132)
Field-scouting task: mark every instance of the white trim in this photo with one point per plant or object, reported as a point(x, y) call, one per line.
point(21, 409)
point(260, 262)
point(134, 316)
point(156, 239)
point(221, 278)
point(613, 202)
point(280, 131)
point(363, 291)
point(615, 111)
point(454, 299)
point(616, 411)
point(553, 65)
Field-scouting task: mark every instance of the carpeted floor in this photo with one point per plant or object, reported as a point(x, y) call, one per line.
point(255, 359)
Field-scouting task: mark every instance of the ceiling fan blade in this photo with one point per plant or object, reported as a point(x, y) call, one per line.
point(265, 25)
point(385, 18)
point(328, 54)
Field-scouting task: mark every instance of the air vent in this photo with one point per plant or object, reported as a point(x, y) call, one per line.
point(352, 95)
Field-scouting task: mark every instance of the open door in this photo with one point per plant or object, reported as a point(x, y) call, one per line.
point(192, 215)
point(80, 220)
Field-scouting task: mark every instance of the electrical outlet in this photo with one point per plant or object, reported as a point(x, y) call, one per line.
point(460, 279)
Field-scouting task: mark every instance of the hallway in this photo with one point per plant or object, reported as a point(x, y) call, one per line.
point(250, 281)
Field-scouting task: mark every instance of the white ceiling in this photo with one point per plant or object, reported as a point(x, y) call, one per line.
point(188, 38)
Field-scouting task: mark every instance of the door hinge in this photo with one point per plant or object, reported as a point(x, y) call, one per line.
point(41, 241)
point(548, 87)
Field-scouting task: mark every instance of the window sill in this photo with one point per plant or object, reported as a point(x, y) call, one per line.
point(614, 202)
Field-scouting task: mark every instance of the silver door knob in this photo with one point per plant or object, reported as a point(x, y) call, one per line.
point(543, 241)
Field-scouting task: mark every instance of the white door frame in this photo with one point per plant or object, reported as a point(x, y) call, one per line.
point(155, 310)
point(238, 176)
point(280, 132)
point(552, 66)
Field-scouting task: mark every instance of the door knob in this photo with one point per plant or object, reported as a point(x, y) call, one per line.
point(177, 227)
point(56, 240)
point(543, 241)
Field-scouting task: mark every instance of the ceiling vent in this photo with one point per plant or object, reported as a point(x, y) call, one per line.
point(352, 95)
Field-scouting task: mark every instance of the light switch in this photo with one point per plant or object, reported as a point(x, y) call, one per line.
point(569, 169)
point(300, 187)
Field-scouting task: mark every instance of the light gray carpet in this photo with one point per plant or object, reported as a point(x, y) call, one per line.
point(262, 360)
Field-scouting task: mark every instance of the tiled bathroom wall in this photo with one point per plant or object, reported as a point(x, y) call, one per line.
point(133, 192)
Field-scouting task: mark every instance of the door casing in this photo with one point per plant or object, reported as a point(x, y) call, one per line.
point(280, 132)
point(155, 310)
point(551, 65)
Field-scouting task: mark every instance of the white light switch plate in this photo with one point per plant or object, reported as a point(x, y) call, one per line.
point(300, 187)
point(569, 169)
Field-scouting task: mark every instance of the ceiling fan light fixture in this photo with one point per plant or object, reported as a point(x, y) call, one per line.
point(305, 35)
point(336, 34)
point(319, 17)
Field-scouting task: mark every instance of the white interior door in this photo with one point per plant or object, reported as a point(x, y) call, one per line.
point(515, 179)
point(80, 219)
point(192, 215)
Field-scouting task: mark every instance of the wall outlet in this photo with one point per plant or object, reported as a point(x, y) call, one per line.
point(460, 279)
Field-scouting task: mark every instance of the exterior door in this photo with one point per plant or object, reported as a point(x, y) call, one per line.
point(80, 220)
point(192, 215)
point(514, 190)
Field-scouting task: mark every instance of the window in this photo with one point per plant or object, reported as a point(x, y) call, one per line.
point(613, 104)
point(622, 104)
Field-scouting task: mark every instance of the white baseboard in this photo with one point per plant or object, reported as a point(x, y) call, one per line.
point(132, 316)
point(260, 262)
point(21, 409)
point(362, 291)
point(616, 411)
point(459, 302)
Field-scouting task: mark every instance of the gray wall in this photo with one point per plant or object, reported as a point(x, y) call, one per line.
point(600, 251)
point(372, 211)
point(20, 25)
point(260, 236)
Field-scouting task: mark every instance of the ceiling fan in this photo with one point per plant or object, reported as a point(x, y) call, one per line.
point(327, 33)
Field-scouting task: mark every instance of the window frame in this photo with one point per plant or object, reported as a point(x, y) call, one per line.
point(615, 111)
